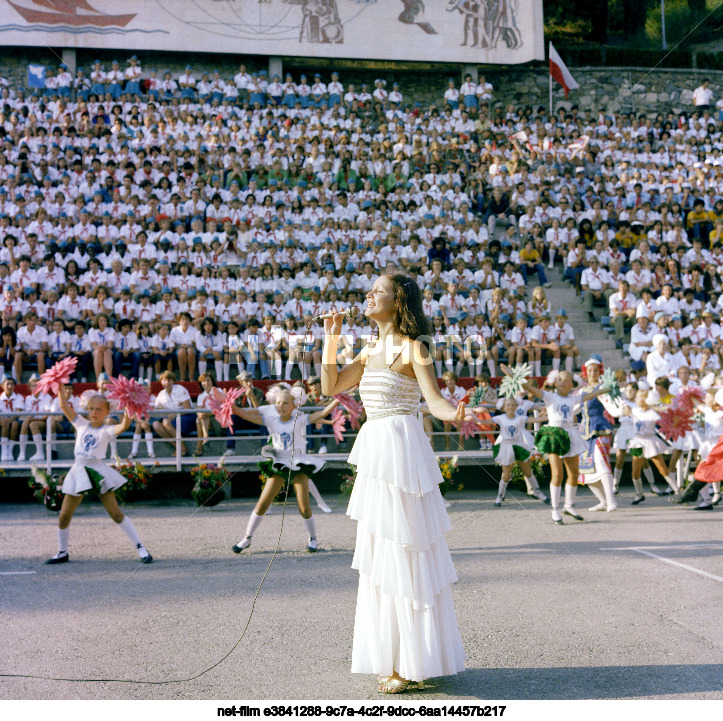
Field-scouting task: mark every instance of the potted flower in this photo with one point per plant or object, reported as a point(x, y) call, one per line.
point(138, 477)
point(210, 480)
point(448, 468)
point(46, 488)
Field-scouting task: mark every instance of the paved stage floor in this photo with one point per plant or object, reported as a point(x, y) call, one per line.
point(626, 605)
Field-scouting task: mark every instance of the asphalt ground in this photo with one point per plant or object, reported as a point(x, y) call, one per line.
point(626, 605)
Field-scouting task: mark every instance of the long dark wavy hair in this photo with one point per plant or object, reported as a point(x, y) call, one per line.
point(409, 317)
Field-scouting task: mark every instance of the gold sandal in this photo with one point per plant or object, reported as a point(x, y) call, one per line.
point(393, 685)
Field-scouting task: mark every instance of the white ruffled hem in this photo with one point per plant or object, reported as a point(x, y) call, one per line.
point(689, 442)
point(282, 461)
point(623, 438)
point(77, 482)
point(577, 444)
point(506, 451)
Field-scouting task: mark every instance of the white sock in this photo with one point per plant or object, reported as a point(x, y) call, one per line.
point(317, 369)
point(502, 489)
point(491, 366)
point(551, 251)
point(277, 367)
point(638, 484)
point(253, 524)
point(472, 365)
point(531, 483)
point(130, 530)
point(679, 472)
point(438, 367)
point(570, 493)
point(458, 368)
point(538, 367)
point(597, 490)
point(53, 441)
point(23, 445)
point(202, 366)
point(314, 493)
point(555, 364)
point(136, 443)
point(449, 364)
point(306, 372)
point(310, 524)
point(568, 364)
point(289, 367)
point(607, 484)
point(617, 475)
point(670, 478)
point(4, 447)
point(63, 537)
point(649, 477)
point(149, 443)
point(716, 487)
point(226, 371)
point(555, 492)
point(149, 373)
point(240, 367)
point(38, 441)
point(218, 367)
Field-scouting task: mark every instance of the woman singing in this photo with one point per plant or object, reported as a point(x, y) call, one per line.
point(405, 628)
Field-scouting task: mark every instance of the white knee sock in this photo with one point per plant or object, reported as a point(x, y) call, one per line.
point(449, 364)
point(649, 477)
point(136, 443)
point(53, 441)
point(130, 530)
point(277, 367)
point(472, 366)
point(310, 524)
point(617, 475)
point(597, 490)
point(570, 493)
point(458, 368)
point(555, 492)
point(149, 373)
point(638, 484)
point(491, 366)
point(568, 364)
point(555, 364)
point(531, 483)
point(438, 367)
point(314, 493)
point(149, 443)
point(23, 446)
point(502, 489)
point(240, 367)
point(670, 478)
point(716, 487)
point(679, 472)
point(38, 441)
point(63, 537)
point(306, 372)
point(551, 251)
point(218, 367)
point(607, 484)
point(202, 366)
point(289, 367)
point(227, 371)
point(253, 524)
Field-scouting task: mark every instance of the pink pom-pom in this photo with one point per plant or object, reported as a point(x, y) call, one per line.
point(56, 376)
point(675, 422)
point(688, 397)
point(132, 397)
point(468, 429)
point(221, 405)
point(338, 424)
point(352, 407)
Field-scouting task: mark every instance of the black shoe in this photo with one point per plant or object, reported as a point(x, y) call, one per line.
point(637, 499)
point(147, 559)
point(708, 507)
point(58, 558)
point(238, 547)
point(572, 513)
point(144, 559)
point(591, 316)
point(311, 546)
point(618, 345)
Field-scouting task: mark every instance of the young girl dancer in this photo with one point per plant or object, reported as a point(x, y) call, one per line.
point(511, 445)
point(405, 628)
point(646, 444)
point(560, 439)
point(288, 457)
point(91, 473)
point(713, 415)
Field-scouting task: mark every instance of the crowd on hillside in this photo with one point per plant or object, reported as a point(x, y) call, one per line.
point(152, 224)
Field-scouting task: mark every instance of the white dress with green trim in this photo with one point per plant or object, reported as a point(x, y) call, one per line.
point(90, 472)
point(560, 435)
point(287, 450)
point(511, 444)
point(405, 618)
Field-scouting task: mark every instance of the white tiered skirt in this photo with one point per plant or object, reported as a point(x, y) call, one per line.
point(405, 619)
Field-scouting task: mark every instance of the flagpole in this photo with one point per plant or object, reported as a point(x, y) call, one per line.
point(550, 74)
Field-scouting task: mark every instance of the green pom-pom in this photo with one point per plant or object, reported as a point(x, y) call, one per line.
point(610, 384)
point(513, 385)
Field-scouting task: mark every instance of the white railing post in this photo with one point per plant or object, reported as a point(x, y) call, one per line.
point(178, 442)
point(48, 444)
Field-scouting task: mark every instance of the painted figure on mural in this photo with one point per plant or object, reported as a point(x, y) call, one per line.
point(488, 21)
point(413, 14)
point(320, 23)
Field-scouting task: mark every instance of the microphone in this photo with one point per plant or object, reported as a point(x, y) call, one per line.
point(352, 312)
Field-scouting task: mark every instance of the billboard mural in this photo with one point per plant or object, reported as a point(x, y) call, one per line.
point(463, 31)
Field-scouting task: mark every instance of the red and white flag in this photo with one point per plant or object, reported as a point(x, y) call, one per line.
point(559, 72)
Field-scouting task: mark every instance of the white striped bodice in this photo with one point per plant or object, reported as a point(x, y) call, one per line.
point(385, 393)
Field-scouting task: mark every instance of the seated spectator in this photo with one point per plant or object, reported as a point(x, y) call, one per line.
point(173, 398)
